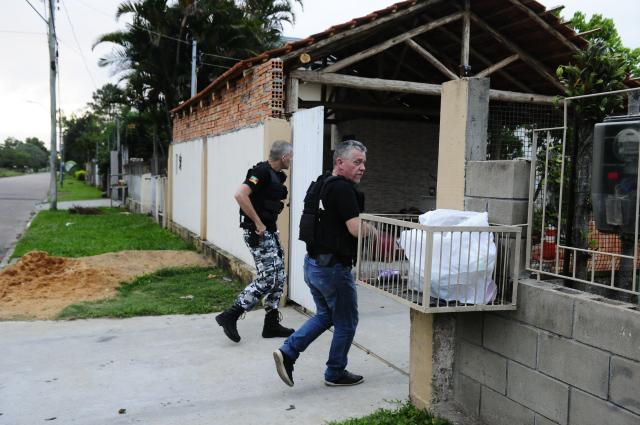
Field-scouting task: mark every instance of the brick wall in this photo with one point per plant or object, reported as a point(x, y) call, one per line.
point(563, 357)
point(247, 101)
point(402, 161)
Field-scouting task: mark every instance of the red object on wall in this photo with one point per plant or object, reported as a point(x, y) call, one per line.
point(549, 243)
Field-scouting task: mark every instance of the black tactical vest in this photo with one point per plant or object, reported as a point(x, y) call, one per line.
point(267, 202)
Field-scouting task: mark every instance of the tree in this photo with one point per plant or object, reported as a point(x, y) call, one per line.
point(81, 136)
point(153, 54)
point(608, 34)
point(24, 156)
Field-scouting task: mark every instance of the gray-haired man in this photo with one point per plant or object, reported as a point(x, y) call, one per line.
point(327, 270)
point(260, 198)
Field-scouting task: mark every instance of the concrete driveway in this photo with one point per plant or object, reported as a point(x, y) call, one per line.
point(182, 370)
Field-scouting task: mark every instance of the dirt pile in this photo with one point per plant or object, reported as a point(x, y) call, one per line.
point(39, 286)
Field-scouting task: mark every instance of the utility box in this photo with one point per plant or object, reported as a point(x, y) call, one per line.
point(616, 144)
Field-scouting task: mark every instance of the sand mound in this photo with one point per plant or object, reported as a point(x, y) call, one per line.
point(40, 286)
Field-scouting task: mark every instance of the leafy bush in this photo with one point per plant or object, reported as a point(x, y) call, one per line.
point(80, 175)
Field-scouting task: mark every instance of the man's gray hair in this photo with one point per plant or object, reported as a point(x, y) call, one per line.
point(344, 148)
point(279, 149)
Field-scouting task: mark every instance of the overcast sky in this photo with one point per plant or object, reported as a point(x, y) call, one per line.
point(24, 74)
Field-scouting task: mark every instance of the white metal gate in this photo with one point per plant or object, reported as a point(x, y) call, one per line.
point(307, 166)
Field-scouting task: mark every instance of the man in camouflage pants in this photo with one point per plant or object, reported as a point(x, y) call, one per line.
point(260, 198)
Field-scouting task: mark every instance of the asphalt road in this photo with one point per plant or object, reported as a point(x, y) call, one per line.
point(18, 199)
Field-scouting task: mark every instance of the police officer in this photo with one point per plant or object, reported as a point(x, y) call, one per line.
point(327, 270)
point(260, 198)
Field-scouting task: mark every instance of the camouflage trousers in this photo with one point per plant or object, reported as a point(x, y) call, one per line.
point(270, 277)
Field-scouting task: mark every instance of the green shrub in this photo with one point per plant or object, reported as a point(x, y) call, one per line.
point(80, 175)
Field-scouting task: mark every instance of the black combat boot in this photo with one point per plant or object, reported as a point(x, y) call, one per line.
point(227, 319)
point(272, 327)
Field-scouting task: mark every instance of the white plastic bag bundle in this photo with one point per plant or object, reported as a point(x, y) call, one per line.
point(461, 263)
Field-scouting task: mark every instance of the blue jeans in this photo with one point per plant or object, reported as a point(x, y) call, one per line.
point(334, 293)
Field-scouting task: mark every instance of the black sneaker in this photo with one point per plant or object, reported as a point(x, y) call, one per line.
point(284, 366)
point(345, 380)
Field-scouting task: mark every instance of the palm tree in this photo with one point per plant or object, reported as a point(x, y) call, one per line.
point(153, 55)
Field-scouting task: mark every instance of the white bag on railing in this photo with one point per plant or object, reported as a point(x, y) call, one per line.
point(461, 263)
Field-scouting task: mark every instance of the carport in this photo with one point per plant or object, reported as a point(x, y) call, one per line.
point(428, 86)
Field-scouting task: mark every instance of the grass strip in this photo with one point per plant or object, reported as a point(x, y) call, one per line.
point(4, 172)
point(404, 414)
point(187, 290)
point(61, 233)
point(75, 190)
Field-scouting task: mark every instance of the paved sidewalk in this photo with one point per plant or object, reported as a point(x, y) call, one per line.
point(90, 203)
point(178, 370)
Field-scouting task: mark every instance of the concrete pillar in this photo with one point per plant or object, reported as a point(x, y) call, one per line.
point(464, 112)
point(203, 191)
point(279, 129)
point(168, 195)
point(420, 359)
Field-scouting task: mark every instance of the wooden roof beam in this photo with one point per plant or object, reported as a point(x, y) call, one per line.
point(493, 68)
point(589, 32)
point(485, 60)
point(372, 51)
point(360, 29)
point(544, 24)
point(408, 87)
point(395, 110)
point(432, 59)
point(533, 63)
point(553, 9)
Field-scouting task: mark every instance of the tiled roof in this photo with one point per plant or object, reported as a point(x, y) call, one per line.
point(239, 67)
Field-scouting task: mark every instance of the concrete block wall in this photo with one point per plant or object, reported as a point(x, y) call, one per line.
point(402, 163)
point(247, 101)
point(563, 357)
point(499, 187)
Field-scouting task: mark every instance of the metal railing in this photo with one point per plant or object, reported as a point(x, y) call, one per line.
point(440, 269)
point(611, 261)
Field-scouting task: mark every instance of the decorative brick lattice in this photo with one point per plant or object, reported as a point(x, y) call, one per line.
point(277, 88)
point(249, 100)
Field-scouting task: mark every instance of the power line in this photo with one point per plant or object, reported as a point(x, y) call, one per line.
point(36, 10)
point(22, 32)
point(73, 31)
point(136, 26)
point(221, 57)
point(217, 66)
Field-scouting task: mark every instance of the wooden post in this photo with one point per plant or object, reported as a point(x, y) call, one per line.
point(292, 94)
point(466, 36)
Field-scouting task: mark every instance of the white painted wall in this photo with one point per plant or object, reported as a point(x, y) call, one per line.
point(187, 184)
point(134, 184)
point(229, 156)
point(145, 193)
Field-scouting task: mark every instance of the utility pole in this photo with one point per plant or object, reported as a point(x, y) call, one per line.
point(194, 78)
point(61, 148)
point(118, 157)
point(53, 62)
